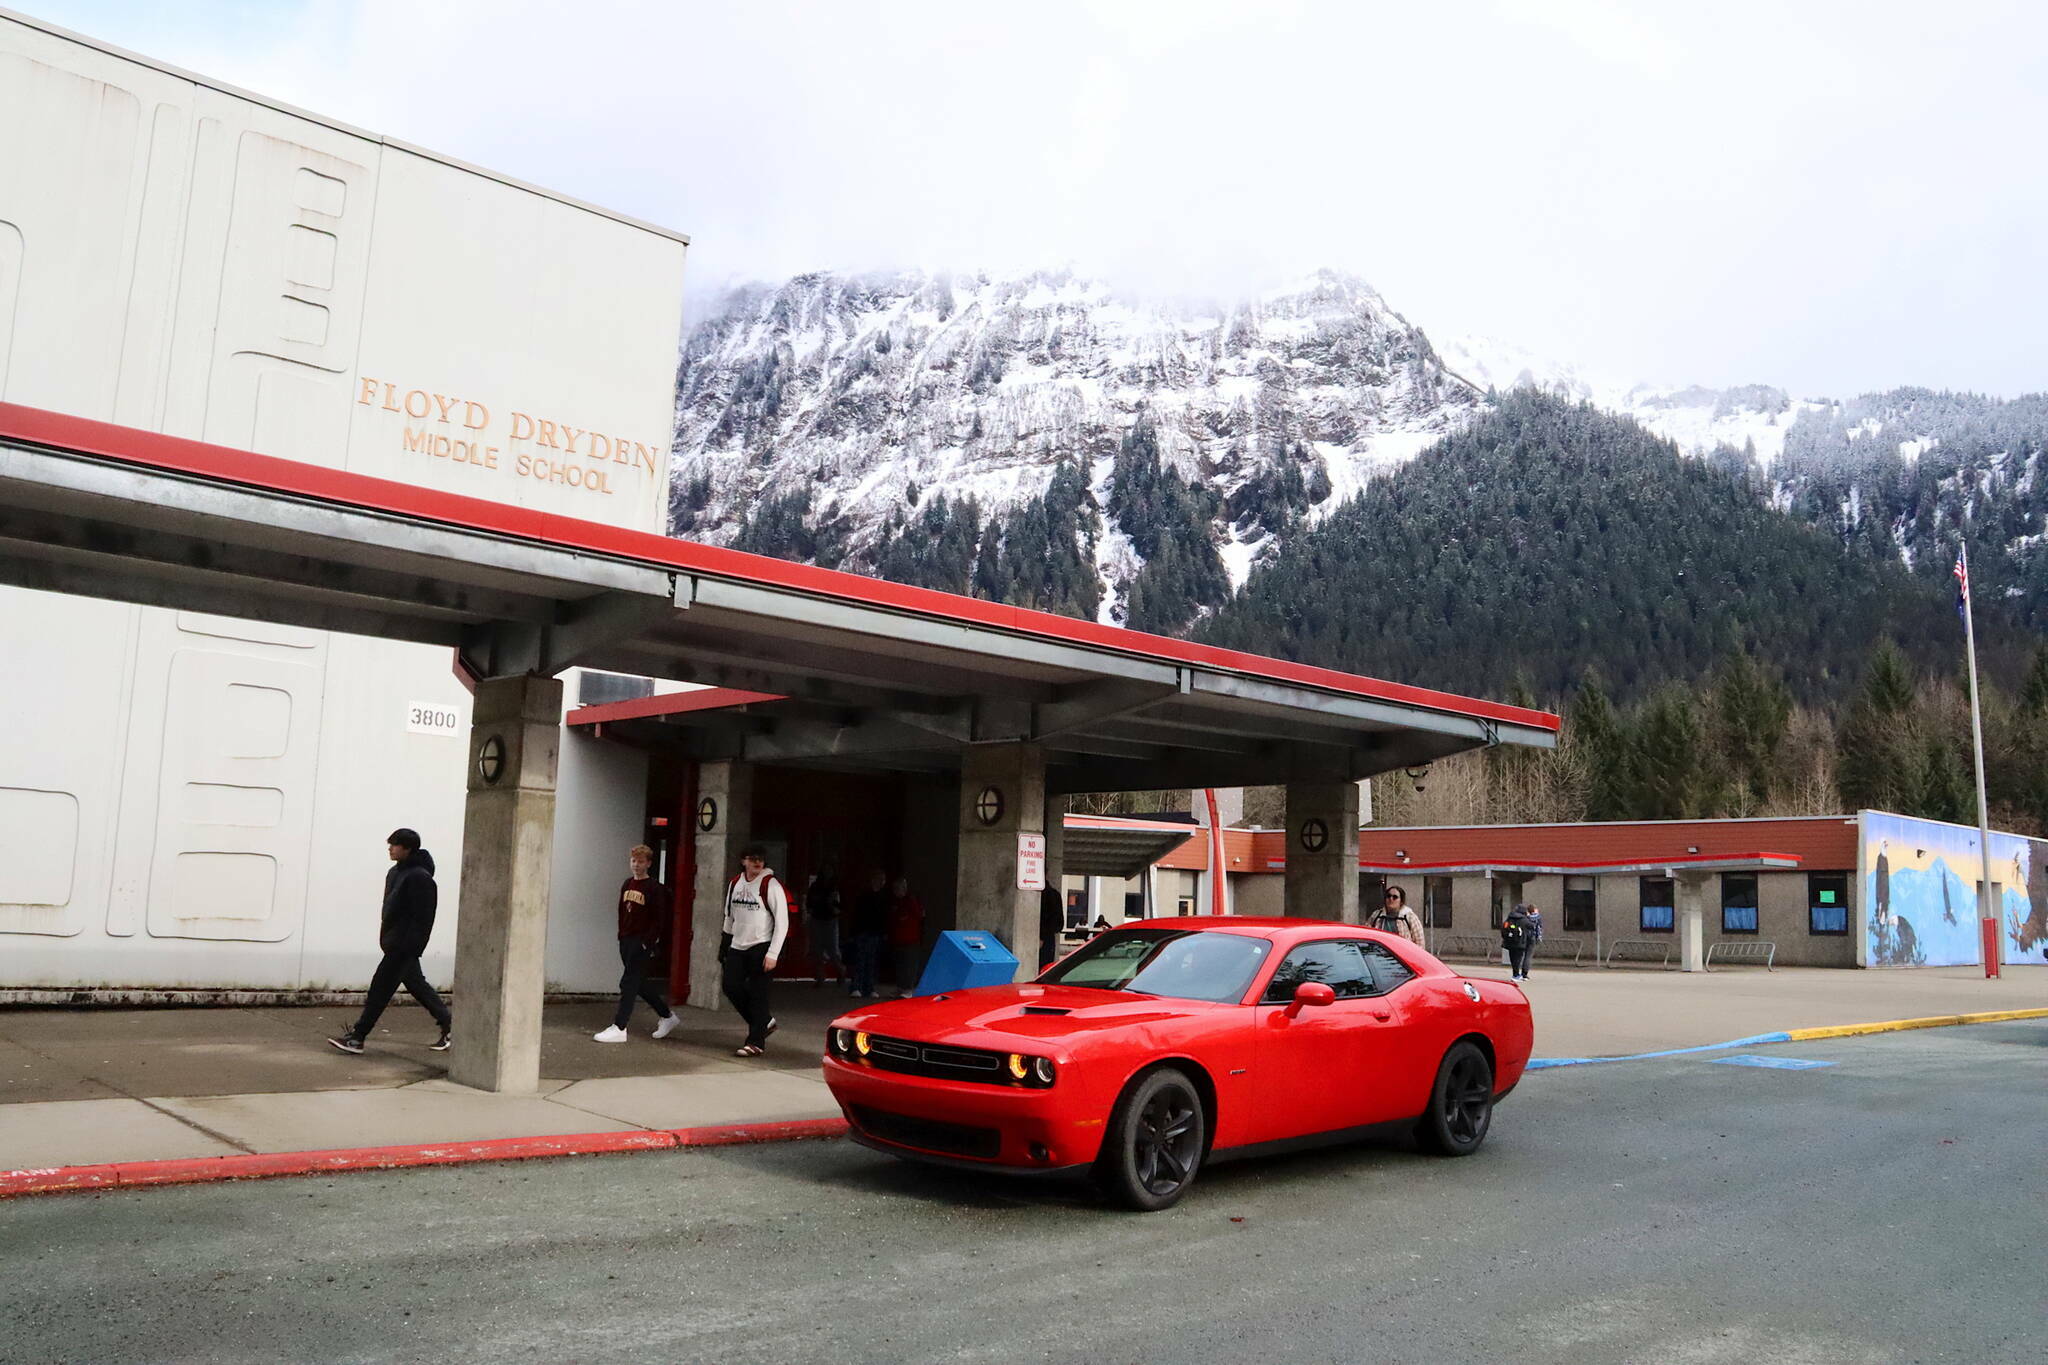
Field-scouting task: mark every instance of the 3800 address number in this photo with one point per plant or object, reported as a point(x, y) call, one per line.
point(425, 718)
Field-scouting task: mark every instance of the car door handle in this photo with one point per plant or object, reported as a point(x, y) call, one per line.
point(1382, 1015)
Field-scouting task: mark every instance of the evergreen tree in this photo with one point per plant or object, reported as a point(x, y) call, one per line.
point(1597, 732)
point(1674, 777)
point(1751, 710)
point(1880, 753)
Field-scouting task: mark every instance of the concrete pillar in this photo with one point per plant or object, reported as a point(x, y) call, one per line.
point(729, 788)
point(1691, 895)
point(1322, 851)
point(508, 837)
point(1056, 847)
point(1006, 782)
point(1102, 891)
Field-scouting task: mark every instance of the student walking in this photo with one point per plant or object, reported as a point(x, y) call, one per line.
point(406, 923)
point(749, 944)
point(643, 915)
point(1519, 934)
point(1394, 916)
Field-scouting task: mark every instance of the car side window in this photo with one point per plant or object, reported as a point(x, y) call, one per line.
point(1388, 970)
point(1337, 963)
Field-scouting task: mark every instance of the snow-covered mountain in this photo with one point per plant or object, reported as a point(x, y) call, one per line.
point(869, 391)
point(1753, 417)
point(851, 418)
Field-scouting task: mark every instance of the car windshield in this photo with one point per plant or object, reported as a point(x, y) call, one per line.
point(1183, 963)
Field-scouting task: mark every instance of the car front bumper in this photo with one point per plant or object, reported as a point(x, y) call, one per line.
point(962, 1123)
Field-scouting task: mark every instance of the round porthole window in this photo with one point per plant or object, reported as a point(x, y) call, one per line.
point(490, 760)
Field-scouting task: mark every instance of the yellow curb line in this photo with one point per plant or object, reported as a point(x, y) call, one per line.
point(1800, 1035)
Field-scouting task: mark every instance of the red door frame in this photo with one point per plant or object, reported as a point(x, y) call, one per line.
point(683, 888)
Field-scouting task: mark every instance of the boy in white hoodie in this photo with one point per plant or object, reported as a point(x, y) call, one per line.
point(750, 941)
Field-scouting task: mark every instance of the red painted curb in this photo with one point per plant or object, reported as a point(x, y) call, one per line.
point(787, 1130)
point(265, 1165)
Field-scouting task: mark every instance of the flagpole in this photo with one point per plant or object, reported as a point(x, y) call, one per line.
point(1987, 914)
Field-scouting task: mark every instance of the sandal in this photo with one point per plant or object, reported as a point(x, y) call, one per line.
point(749, 1051)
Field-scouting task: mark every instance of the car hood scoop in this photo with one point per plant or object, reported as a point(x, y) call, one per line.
point(1045, 1009)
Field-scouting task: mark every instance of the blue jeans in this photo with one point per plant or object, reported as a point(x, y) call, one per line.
point(864, 960)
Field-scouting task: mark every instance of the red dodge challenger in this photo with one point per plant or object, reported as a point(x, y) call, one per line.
point(1168, 1043)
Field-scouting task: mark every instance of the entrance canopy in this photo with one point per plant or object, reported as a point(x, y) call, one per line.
point(1113, 846)
point(839, 670)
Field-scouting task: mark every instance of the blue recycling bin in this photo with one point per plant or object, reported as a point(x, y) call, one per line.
point(966, 957)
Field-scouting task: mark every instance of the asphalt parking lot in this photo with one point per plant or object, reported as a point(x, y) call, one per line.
point(1883, 1207)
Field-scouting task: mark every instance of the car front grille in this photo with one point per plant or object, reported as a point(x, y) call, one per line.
point(943, 1063)
point(931, 1135)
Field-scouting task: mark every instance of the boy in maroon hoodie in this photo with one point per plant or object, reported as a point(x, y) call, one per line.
point(643, 914)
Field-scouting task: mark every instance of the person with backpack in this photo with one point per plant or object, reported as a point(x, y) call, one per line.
point(1394, 917)
point(749, 944)
point(1520, 932)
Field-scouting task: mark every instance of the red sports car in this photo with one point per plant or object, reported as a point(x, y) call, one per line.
point(1167, 1043)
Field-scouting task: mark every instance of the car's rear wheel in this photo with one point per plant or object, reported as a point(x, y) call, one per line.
point(1154, 1143)
point(1460, 1104)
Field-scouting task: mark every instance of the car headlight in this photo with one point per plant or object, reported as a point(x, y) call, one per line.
point(842, 1041)
point(861, 1044)
point(1033, 1071)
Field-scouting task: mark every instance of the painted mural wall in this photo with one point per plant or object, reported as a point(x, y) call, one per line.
point(1920, 894)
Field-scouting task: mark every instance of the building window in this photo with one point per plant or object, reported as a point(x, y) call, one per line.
point(1436, 902)
point(1505, 894)
point(1827, 902)
point(1578, 905)
point(1738, 902)
point(1658, 900)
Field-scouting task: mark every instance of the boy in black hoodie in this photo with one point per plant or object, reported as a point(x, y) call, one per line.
point(410, 898)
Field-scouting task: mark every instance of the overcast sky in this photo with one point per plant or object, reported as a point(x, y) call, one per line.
point(1829, 197)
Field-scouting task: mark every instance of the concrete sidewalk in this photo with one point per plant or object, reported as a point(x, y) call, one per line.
point(86, 1086)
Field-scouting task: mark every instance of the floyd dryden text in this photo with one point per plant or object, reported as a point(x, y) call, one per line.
point(522, 445)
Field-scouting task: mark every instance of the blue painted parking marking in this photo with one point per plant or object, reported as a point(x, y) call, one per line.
point(1775, 1063)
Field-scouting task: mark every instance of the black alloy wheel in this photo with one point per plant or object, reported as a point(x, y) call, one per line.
point(1154, 1143)
point(1460, 1104)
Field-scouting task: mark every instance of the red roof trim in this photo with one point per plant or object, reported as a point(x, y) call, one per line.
point(666, 704)
point(132, 446)
point(1503, 865)
point(1127, 822)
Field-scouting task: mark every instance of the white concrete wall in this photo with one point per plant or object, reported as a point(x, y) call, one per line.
point(600, 813)
point(188, 802)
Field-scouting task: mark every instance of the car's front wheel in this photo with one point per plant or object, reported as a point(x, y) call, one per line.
point(1460, 1104)
point(1154, 1142)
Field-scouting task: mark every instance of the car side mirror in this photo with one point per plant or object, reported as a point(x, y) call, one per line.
point(1310, 993)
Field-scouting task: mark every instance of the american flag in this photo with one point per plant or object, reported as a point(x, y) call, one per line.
point(1962, 581)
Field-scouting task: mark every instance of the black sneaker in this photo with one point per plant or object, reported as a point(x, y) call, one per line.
point(347, 1042)
point(439, 1044)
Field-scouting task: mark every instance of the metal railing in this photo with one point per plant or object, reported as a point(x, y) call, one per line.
point(1639, 950)
point(1547, 947)
point(1744, 950)
point(1482, 946)
point(1486, 947)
